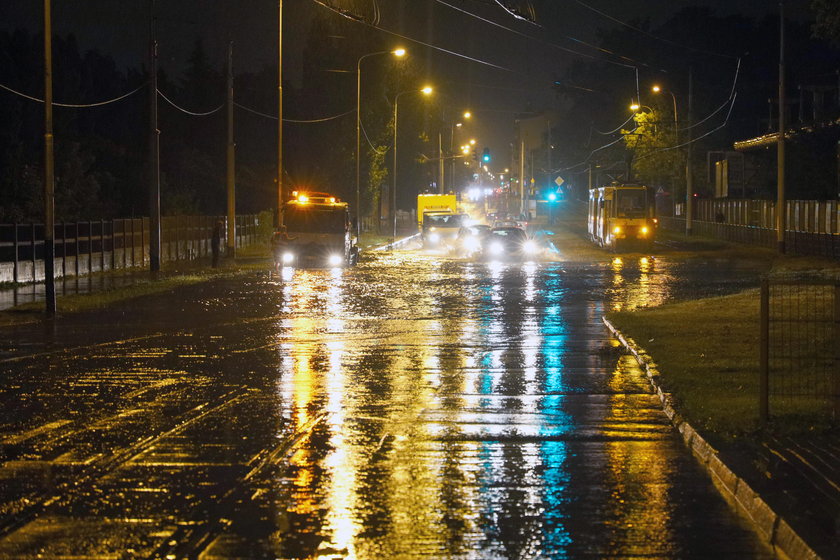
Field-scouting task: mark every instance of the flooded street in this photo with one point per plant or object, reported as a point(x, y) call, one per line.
point(415, 406)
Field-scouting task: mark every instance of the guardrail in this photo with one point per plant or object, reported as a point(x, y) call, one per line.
point(95, 246)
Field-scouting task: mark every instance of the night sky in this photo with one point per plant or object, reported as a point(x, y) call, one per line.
point(120, 29)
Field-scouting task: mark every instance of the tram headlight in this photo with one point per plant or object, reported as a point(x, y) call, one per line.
point(288, 257)
point(496, 248)
point(334, 260)
point(434, 237)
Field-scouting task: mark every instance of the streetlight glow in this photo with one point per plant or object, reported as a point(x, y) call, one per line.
point(472, 141)
point(656, 89)
point(635, 107)
point(467, 115)
point(427, 90)
point(400, 52)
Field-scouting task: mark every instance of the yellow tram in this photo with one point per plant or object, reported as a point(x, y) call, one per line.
point(622, 216)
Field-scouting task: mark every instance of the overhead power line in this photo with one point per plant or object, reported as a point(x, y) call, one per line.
point(76, 105)
point(297, 121)
point(647, 33)
point(354, 18)
point(193, 113)
point(549, 43)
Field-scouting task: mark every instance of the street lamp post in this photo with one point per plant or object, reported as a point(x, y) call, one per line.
point(425, 91)
point(657, 89)
point(399, 53)
point(466, 115)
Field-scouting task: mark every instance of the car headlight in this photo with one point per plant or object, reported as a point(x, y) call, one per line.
point(288, 257)
point(334, 260)
point(496, 248)
point(471, 243)
point(530, 246)
point(434, 237)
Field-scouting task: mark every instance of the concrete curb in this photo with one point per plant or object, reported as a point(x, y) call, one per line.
point(396, 243)
point(768, 525)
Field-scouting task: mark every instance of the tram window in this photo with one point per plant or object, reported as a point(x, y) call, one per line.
point(630, 204)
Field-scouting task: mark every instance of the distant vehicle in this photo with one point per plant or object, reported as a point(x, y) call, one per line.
point(509, 223)
point(435, 203)
point(316, 232)
point(508, 243)
point(440, 229)
point(622, 216)
point(470, 238)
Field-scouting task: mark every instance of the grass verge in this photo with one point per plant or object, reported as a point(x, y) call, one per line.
point(707, 352)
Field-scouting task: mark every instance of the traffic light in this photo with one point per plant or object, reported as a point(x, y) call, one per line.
point(485, 155)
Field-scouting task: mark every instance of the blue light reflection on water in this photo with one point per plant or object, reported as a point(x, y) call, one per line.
point(520, 311)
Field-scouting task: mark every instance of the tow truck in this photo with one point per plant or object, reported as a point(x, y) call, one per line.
point(316, 231)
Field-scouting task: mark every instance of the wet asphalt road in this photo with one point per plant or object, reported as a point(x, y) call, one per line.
point(412, 407)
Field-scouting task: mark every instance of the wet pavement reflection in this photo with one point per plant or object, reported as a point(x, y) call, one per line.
point(414, 406)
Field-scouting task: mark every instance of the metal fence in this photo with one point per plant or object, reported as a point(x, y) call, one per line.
point(812, 227)
point(800, 345)
point(86, 247)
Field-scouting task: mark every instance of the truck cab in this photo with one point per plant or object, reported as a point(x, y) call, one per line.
point(440, 229)
point(316, 231)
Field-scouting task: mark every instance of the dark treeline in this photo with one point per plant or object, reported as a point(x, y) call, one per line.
point(101, 153)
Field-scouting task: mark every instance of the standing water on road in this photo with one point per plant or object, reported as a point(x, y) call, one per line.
point(411, 407)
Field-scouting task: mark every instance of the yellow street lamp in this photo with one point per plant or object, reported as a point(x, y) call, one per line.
point(399, 53)
point(657, 89)
point(467, 115)
point(427, 90)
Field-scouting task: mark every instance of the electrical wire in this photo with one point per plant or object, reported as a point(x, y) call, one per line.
point(619, 127)
point(296, 121)
point(325, 119)
point(732, 94)
point(548, 43)
point(648, 34)
point(356, 19)
point(194, 114)
point(372, 147)
point(254, 111)
point(515, 15)
point(76, 105)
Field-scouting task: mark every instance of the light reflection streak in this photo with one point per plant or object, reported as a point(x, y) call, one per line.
point(508, 378)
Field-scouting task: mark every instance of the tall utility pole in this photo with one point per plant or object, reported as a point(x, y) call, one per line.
point(231, 161)
point(780, 169)
point(154, 149)
point(441, 186)
point(689, 176)
point(522, 182)
point(49, 170)
point(279, 217)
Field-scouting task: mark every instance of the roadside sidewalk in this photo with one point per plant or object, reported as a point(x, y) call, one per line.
point(789, 490)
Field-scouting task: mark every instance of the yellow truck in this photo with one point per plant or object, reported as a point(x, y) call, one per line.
point(435, 203)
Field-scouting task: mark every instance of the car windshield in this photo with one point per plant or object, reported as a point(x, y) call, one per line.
point(630, 203)
point(443, 220)
point(310, 220)
point(509, 233)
